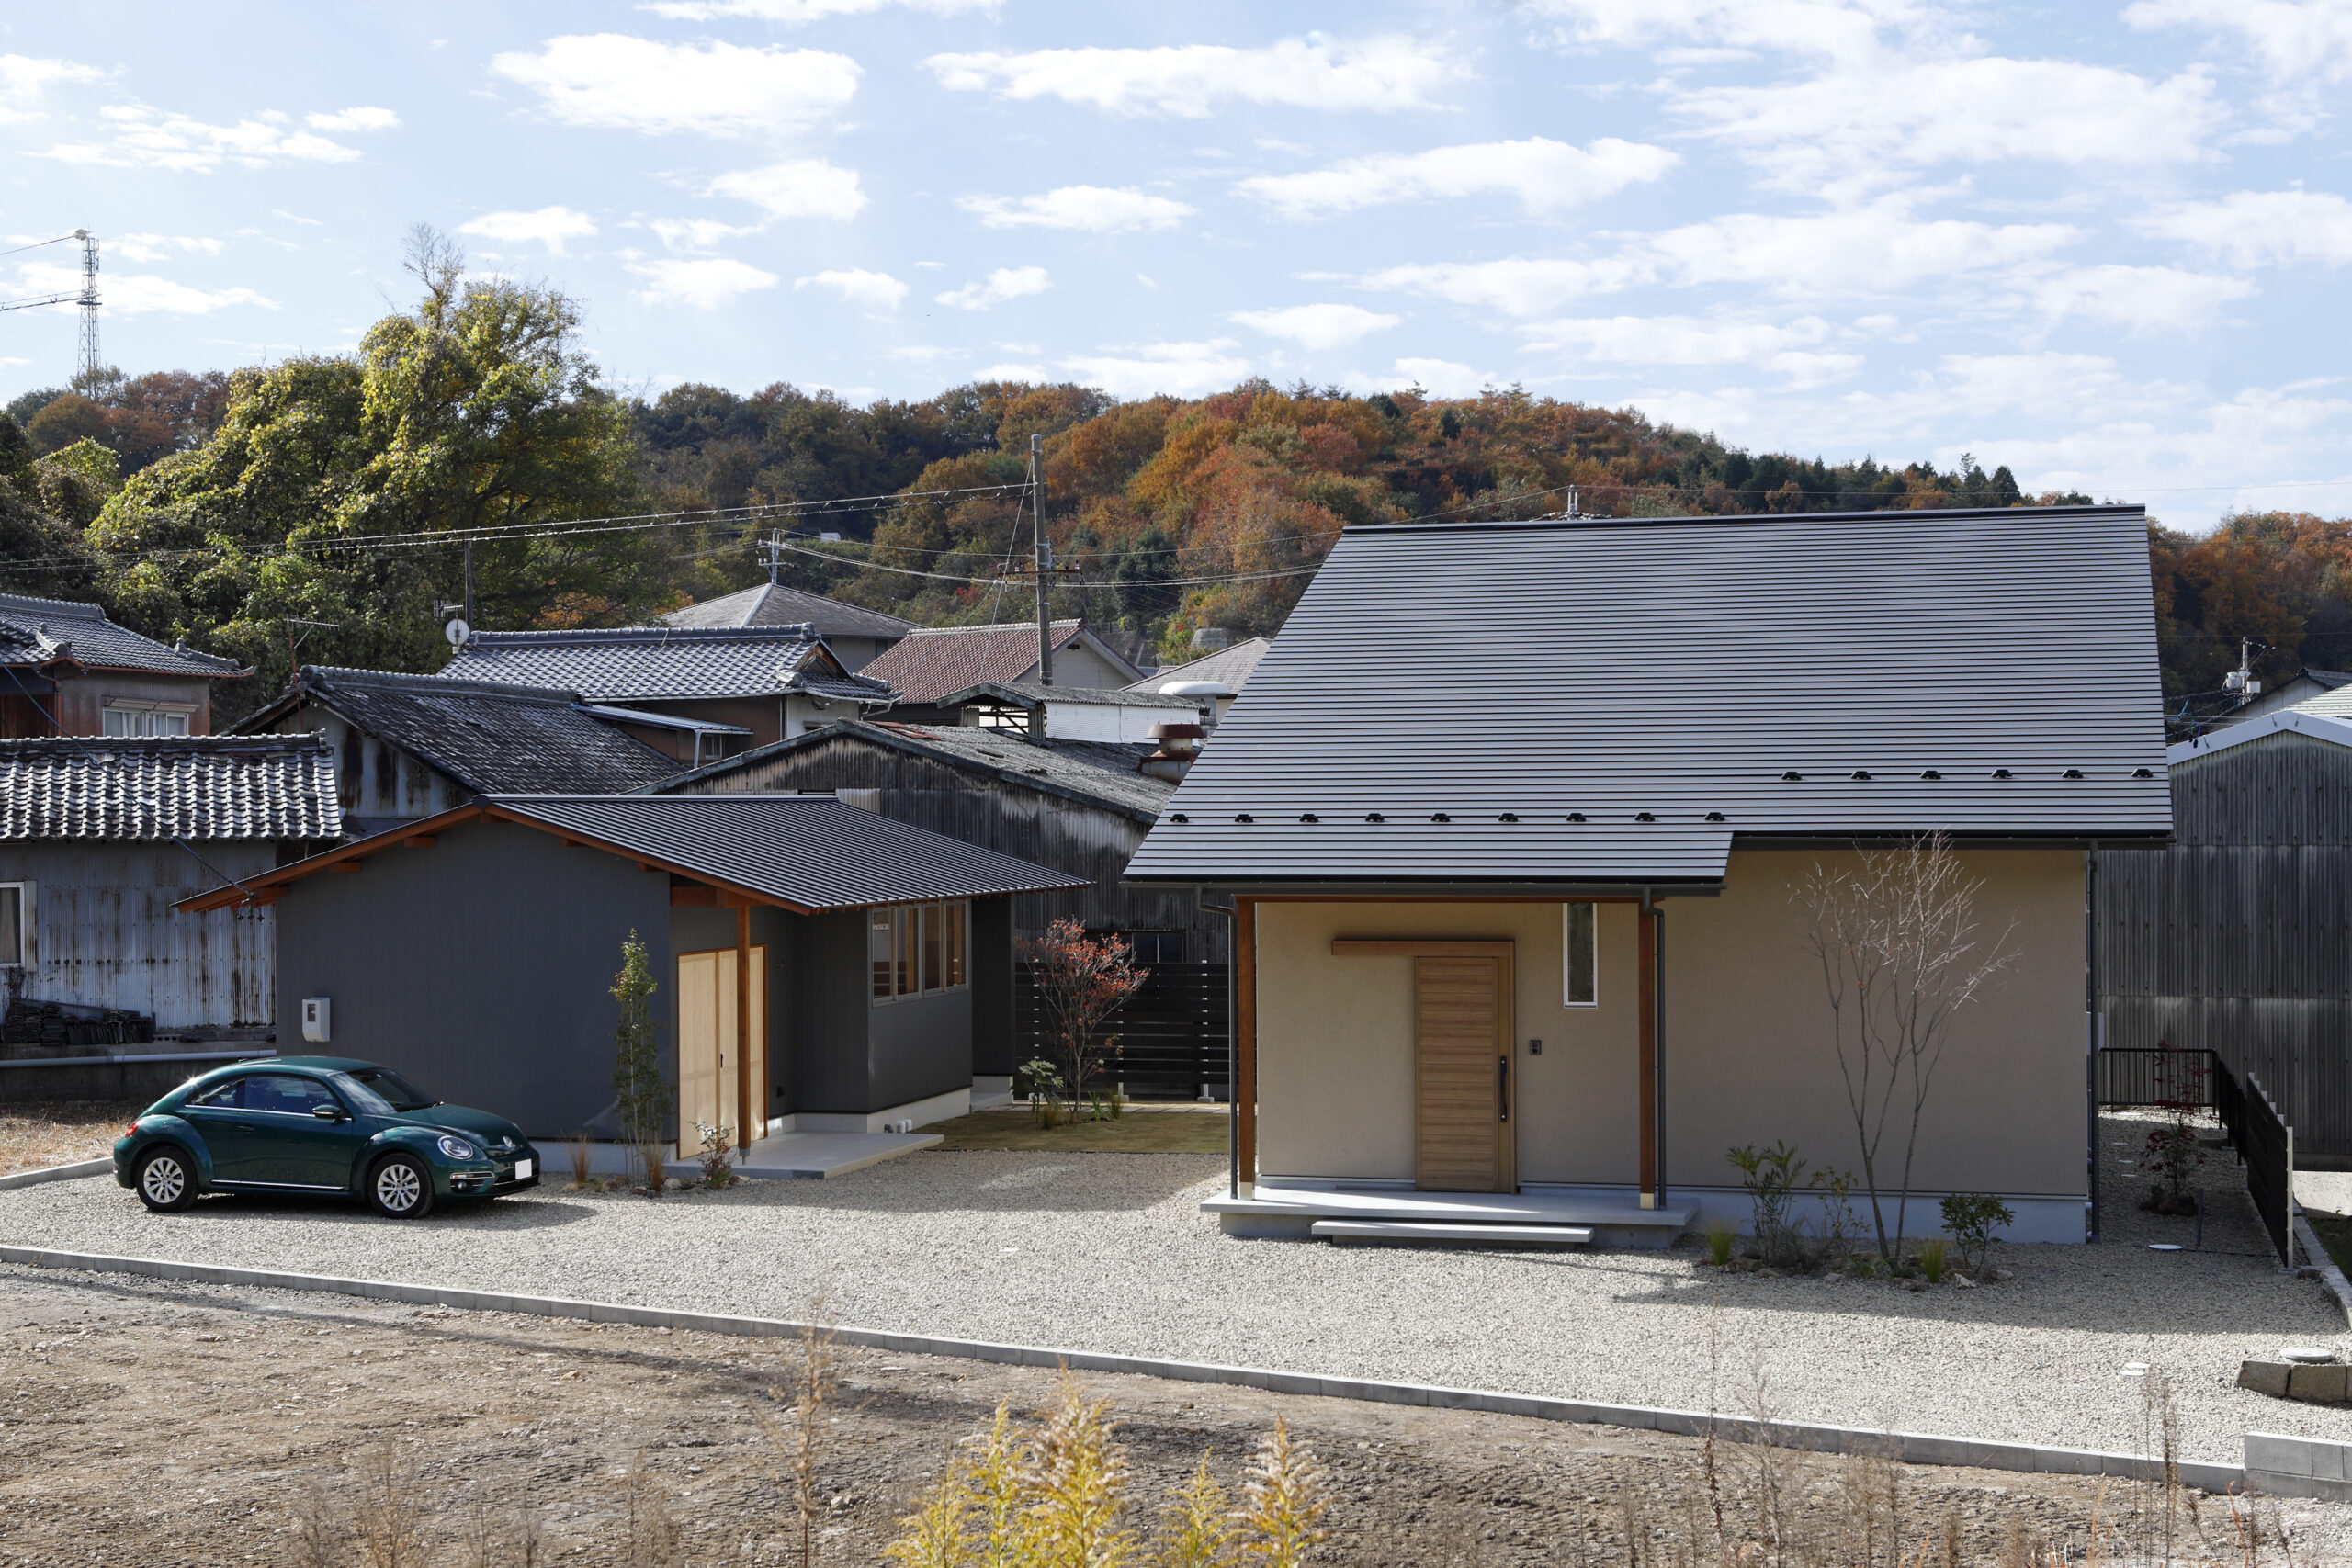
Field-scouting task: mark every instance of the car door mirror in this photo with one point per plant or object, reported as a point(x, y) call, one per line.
point(326, 1113)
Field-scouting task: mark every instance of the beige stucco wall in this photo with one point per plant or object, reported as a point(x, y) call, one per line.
point(1748, 1058)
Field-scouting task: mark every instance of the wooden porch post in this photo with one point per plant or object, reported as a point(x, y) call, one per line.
point(1245, 1041)
point(1647, 1068)
point(745, 1110)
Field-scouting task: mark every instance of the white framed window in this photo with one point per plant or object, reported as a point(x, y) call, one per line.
point(918, 950)
point(15, 924)
point(129, 716)
point(1580, 954)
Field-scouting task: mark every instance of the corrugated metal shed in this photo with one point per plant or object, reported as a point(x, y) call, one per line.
point(1988, 674)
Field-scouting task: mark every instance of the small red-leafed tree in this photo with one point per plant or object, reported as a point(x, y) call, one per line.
point(1081, 980)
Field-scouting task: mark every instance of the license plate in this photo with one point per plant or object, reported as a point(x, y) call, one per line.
point(522, 1171)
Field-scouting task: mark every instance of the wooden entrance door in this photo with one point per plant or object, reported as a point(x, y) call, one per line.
point(706, 1050)
point(1462, 1034)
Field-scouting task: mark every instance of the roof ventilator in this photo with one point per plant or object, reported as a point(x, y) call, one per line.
point(1793, 776)
point(2003, 773)
point(1440, 817)
point(1509, 817)
point(1308, 817)
point(1243, 816)
point(1177, 816)
point(1575, 815)
point(2071, 773)
point(1861, 775)
point(2143, 772)
point(1374, 817)
point(1644, 816)
point(1931, 775)
point(1714, 815)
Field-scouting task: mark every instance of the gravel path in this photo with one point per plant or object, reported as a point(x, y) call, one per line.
point(1109, 1252)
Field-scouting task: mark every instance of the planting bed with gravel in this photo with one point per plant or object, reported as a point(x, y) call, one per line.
point(1109, 1252)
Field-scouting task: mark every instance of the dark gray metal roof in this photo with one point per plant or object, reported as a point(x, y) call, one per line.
point(1096, 773)
point(1757, 678)
point(491, 736)
point(809, 851)
point(205, 786)
point(772, 604)
point(37, 632)
point(664, 663)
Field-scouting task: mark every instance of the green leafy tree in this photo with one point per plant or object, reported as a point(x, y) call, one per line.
point(641, 1091)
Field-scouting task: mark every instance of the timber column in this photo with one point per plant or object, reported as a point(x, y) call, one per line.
point(1647, 926)
point(1245, 1044)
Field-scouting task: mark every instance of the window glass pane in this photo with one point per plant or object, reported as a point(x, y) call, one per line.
point(877, 950)
point(170, 724)
point(1583, 966)
point(956, 917)
point(906, 950)
point(119, 721)
point(934, 946)
point(287, 1095)
point(221, 1097)
point(12, 926)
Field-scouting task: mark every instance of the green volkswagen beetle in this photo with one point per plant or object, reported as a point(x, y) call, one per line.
point(324, 1125)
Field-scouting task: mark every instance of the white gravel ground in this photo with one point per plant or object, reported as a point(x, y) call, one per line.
point(1109, 1252)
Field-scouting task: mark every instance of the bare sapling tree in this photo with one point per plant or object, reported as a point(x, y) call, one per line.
point(1081, 980)
point(1898, 939)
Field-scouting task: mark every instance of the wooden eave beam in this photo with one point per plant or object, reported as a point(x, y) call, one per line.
point(1422, 947)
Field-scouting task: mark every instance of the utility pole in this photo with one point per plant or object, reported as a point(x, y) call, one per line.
point(88, 301)
point(1043, 553)
point(469, 583)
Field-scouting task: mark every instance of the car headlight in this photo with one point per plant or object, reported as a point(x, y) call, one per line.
point(456, 1148)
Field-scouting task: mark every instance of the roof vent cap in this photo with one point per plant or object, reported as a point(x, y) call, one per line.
point(1308, 817)
point(1177, 816)
point(2071, 773)
point(1511, 817)
point(1714, 815)
point(1644, 816)
point(1861, 775)
point(1575, 815)
point(1243, 816)
point(2003, 773)
point(2143, 772)
point(1931, 775)
point(1793, 776)
point(1374, 817)
point(1440, 817)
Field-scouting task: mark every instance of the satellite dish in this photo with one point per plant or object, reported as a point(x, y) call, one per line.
point(457, 631)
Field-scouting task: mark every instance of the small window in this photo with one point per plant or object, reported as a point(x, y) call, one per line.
point(16, 923)
point(934, 947)
point(918, 949)
point(1581, 936)
point(878, 928)
point(128, 718)
point(954, 913)
point(1157, 947)
point(285, 1095)
point(222, 1095)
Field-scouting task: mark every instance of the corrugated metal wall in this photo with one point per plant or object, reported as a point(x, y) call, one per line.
point(106, 934)
point(2238, 938)
point(1046, 828)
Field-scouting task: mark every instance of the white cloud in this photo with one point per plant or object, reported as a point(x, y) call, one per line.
point(1317, 326)
point(140, 294)
point(1791, 349)
point(551, 226)
point(859, 286)
point(1516, 285)
point(2143, 300)
point(156, 247)
point(1031, 373)
point(1871, 250)
point(2253, 227)
point(2293, 39)
point(698, 233)
point(1004, 283)
point(796, 13)
point(1183, 370)
point(1100, 208)
point(704, 285)
point(359, 118)
point(797, 188)
point(1545, 176)
point(717, 89)
point(23, 79)
point(1841, 29)
point(1440, 378)
point(147, 138)
point(1381, 74)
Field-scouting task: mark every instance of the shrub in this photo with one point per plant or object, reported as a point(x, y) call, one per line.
point(1721, 1235)
point(1771, 1176)
point(1931, 1260)
point(717, 1159)
point(1972, 1218)
point(1081, 981)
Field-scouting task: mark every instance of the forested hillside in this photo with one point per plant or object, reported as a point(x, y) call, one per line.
point(306, 511)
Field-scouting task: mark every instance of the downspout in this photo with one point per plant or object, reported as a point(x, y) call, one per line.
point(1657, 1018)
point(2092, 1018)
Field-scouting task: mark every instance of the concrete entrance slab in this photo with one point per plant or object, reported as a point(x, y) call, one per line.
point(812, 1157)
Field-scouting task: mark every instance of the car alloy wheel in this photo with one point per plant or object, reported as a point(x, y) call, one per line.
point(164, 1184)
point(400, 1189)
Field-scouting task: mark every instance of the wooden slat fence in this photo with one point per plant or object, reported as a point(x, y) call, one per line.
point(2263, 1138)
point(2266, 1142)
point(1172, 1034)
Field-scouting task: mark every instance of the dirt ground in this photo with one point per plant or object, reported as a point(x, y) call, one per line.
point(33, 1136)
point(1142, 1130)
point(158, 1424)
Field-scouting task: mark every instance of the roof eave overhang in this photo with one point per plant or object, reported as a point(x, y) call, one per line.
point(1433, 888)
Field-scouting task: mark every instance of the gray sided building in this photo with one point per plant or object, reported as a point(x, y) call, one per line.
point(476, 951)
point(2237, 936)
point(100, 838)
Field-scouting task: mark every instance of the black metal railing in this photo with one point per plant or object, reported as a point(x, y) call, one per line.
point(2136, 1075)
point(2267, 1144)
point(1171, 1035)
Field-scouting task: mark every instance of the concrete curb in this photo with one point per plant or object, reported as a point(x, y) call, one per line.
point(1910, 1447)
point(56, 1173)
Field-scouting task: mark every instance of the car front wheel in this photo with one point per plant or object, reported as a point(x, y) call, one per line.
point(401, 1188)
point(166, 1184)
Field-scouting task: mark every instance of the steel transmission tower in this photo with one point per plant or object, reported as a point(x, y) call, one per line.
point(88, 301)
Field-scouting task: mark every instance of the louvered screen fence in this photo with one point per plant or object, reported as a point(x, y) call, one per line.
point(2263, 1139)
point(1172, 1034)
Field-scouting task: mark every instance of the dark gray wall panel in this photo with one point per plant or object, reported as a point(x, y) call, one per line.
point(922, 1046)
point(829, 1014)
point(992, 995)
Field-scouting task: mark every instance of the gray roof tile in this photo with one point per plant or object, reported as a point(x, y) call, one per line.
point(40, 631)
point(195, 787)
point(658, 663)
point(1232, 665)
point(772, 604)
point(1757, 677)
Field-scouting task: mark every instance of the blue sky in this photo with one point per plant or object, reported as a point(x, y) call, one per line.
point(2104, 244)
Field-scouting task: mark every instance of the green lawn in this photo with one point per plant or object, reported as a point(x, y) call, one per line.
point(1138, 1132)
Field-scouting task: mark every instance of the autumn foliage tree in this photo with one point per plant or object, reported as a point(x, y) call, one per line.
point(1081, 981)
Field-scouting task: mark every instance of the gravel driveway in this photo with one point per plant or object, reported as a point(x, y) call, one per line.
point(1109, 1252)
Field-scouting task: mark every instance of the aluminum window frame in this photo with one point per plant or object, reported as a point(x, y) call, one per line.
point(24, 953)
point(140, 715)
point(905, 954)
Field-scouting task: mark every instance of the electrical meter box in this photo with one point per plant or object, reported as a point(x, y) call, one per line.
point(317, 1022)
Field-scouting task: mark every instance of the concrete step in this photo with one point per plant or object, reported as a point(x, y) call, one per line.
point(1458, 1234)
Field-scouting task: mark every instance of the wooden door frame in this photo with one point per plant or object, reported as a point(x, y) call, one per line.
point(748, 1041)
point(1505, 951)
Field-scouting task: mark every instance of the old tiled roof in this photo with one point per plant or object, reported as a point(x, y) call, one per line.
point(930, 663)
point(1231, 666)
point(204, 786)
point(662, 663)
point(493, 739)
point(37, 632)
point(1100, 772)
point(772, 604)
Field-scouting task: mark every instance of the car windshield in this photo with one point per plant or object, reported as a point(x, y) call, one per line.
point(381, 1092)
